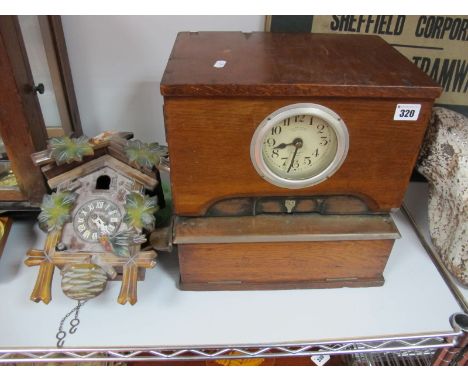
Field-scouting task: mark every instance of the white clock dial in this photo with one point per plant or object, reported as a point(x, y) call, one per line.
point(299, 145)
point(95, 218)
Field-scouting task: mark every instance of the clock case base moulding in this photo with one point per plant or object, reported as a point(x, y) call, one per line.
point(288, 251)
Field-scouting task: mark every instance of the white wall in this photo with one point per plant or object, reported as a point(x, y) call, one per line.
point(117, 63)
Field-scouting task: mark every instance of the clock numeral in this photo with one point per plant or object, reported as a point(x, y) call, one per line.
point(307, 161)
point(81, 227)
point(80, 220)
point(276, 130)
point(324, 141)
point(316, 153)
point(311, 121)
point(114, 220)
point(271, 142)
point(294, 166)
point(275, 153)
point(90, 207)
point(99, 204)
point(94, 236)
point(113, 212)
point(285, 160)
point(287, 121)
point(86, 234)
point(320, 128)
point(299, 118)
point(111, 227)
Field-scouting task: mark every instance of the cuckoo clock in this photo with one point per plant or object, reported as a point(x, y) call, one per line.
point(288, 153)
point(106, 191)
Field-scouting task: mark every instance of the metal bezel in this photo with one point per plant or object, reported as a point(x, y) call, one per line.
point(328, 115)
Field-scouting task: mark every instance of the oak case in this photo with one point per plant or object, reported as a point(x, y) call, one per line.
point(211, 114)
point(210, 158)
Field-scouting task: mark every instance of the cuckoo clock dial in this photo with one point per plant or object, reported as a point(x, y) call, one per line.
point(95, 218)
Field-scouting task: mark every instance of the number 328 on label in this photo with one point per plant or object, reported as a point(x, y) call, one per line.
point(407, 112)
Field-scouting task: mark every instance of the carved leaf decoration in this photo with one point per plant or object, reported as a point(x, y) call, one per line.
point(55, 210)
point(144, 154)
point(140, 210)
point(120, 243)
point(67, 150)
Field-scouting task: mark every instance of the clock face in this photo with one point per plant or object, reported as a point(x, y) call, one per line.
point(299, 145)
point(95, 218)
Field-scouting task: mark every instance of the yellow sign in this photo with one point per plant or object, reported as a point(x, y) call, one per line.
point(436, 44)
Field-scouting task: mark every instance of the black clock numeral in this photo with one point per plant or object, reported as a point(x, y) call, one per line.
point(294, 165)
point(271, 142)
point(276, 130)
point(275, 153)
point(311, 121)
point(285, 160)
point(316, 153)
point(307, 161)
point(299, 118)
point(287, 121)
point(324, 141)
point(320, 128)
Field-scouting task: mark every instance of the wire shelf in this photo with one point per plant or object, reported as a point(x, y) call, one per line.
point(422, 344)
point(403, 358)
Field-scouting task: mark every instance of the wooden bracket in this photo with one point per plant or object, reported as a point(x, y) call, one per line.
point(49, 258)
point(42, 289)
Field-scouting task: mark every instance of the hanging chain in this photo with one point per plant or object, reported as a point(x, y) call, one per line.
point(61, 334)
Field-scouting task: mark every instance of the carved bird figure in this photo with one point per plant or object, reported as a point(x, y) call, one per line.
point(120, 243)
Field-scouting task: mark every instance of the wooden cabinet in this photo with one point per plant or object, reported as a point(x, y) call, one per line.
point(22, 127)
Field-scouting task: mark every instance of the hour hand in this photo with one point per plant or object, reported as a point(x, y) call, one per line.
point(282, 145)
point(296, 142)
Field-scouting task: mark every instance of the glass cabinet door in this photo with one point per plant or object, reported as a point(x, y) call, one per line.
point(37, 101)
point(40, 45)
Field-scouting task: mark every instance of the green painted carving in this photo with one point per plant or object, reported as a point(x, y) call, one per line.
point(144, 154)
point(120, 243)
point(140, 210)
point(56, 210)
point(67, 150)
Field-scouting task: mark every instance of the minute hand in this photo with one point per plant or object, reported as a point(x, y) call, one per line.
point(298, 143)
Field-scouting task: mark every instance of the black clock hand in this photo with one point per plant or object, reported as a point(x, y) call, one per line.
point(298, 143)
point(282, 145)
point(293, 143)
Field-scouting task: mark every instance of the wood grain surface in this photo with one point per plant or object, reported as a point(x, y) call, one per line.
point(240, 266)
point(209, 142)
point(291, 64)
point(22, 127)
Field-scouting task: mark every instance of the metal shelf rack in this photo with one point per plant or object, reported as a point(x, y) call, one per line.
point(419, 347)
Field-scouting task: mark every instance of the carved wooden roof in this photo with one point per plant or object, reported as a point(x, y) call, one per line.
point(108, 152)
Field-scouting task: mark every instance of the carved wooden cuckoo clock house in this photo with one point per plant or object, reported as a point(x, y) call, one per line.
point(107, 190)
